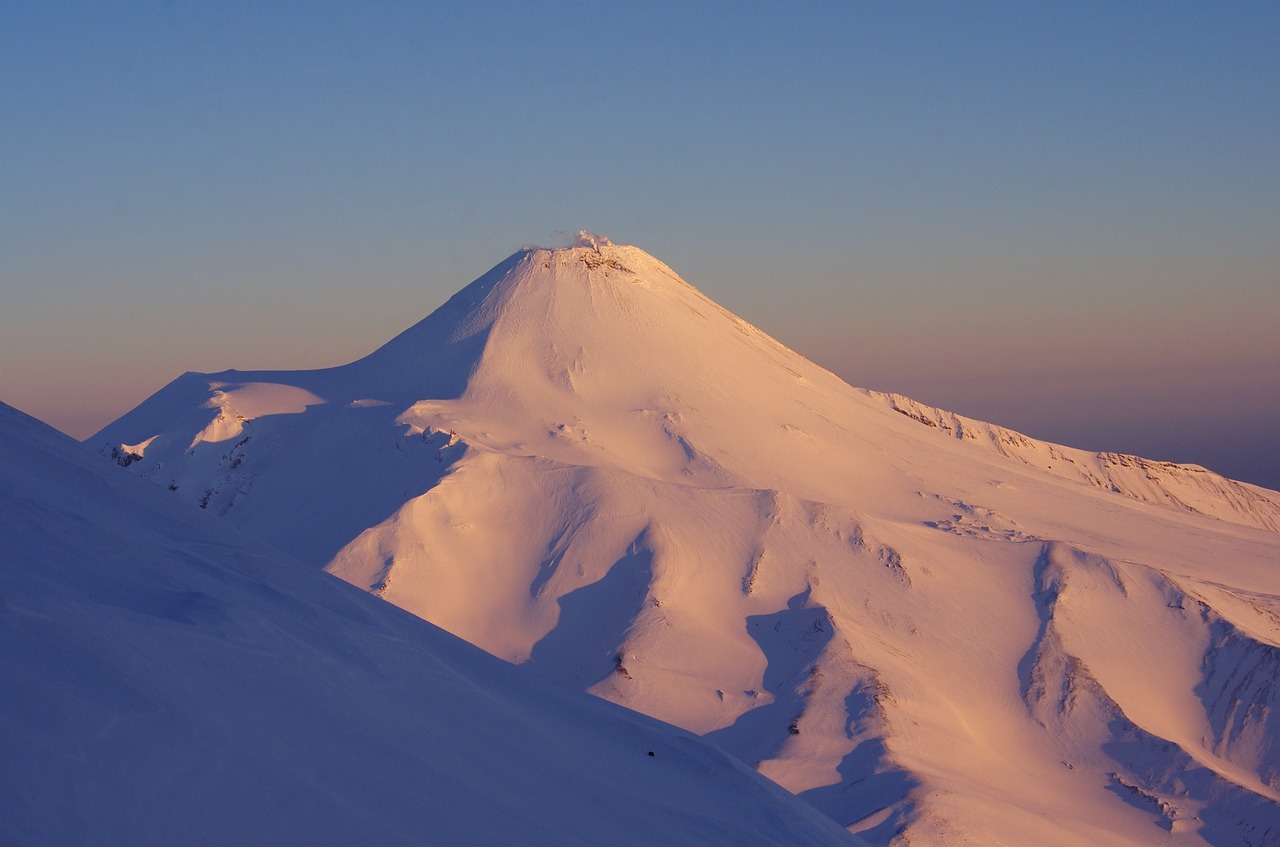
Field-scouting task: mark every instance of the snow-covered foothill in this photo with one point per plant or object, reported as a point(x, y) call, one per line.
point(167, 681)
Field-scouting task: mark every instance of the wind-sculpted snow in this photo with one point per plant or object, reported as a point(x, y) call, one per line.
point(167, 682)
point(933, 629)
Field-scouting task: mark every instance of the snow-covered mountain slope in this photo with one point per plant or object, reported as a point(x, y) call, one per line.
point(1188, 487)
point(165, 682)
point(581, 464)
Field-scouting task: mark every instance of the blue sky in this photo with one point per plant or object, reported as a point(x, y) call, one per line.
point(1065, 220)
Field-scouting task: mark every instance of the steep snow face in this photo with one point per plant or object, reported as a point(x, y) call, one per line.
point(607, 358)
point(166, 682)
point(930, 628)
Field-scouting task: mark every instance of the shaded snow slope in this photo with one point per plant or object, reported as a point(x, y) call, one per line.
point(930, 628)
point(168, 683)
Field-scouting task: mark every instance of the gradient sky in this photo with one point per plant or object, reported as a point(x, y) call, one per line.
point(1065, 220)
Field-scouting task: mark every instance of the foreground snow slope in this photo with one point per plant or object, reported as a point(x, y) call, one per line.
point(932, 629)
point(168, 683)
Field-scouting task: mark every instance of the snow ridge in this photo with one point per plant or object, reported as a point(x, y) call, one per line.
point(1188, 487)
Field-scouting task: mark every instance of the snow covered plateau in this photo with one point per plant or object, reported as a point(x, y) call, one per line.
point(935, 631)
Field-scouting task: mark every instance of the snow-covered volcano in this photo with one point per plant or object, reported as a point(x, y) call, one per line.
point(926, 626)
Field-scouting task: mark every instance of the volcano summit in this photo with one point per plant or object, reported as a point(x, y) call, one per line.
point(931, 628)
